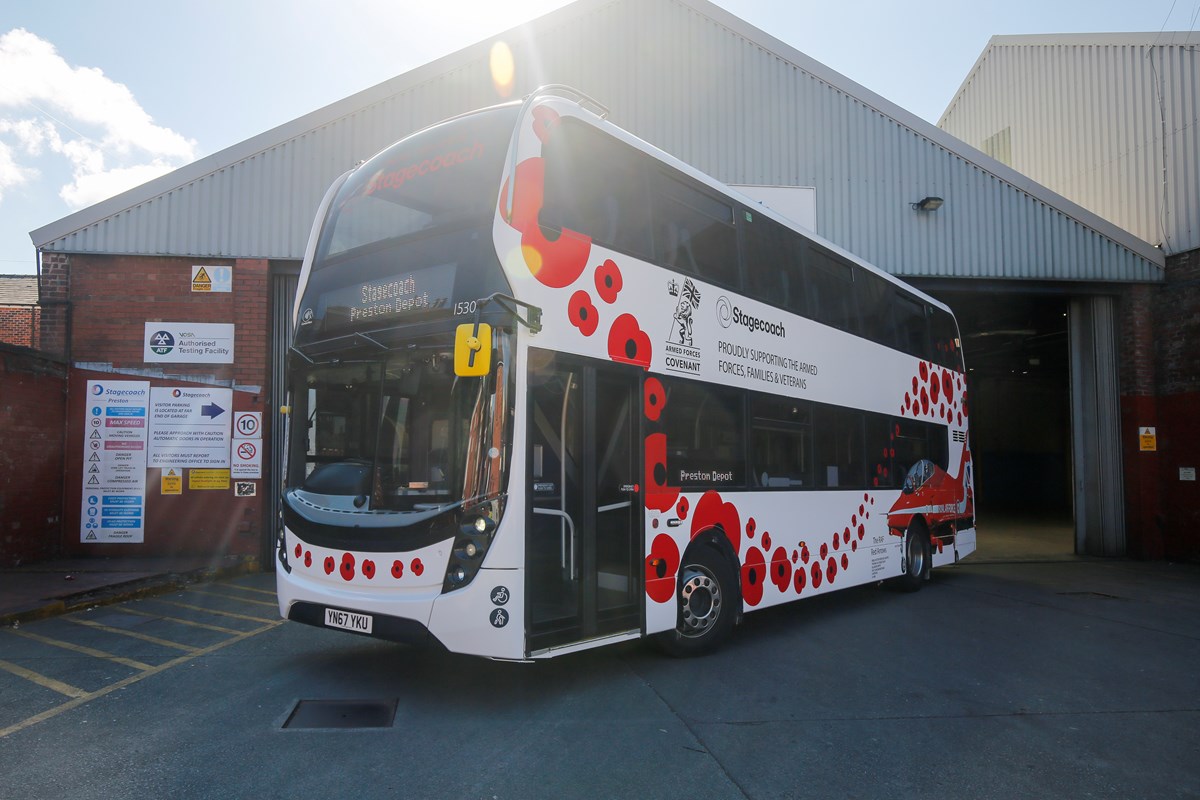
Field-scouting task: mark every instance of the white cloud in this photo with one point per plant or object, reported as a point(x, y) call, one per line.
point(95, 123)
point(11, 173)
point(31, 134)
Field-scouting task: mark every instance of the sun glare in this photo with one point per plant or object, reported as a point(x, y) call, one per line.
point(502, 67)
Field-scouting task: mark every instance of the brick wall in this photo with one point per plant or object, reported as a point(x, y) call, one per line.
point(19, 325)
point(1136, 340)
point(32, 409)
point(1177, 326)
point(1160, 388)
point(1177, 336)
point(54, 287)
point(111, 299)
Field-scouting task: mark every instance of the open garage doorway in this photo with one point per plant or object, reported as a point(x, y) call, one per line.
point(1018, 355)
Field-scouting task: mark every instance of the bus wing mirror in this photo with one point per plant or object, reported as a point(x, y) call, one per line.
point(472, 350)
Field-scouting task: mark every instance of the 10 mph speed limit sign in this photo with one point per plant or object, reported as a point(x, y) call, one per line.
point(247, 425)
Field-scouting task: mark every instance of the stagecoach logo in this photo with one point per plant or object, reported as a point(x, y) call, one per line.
point(306, 317)
point(682, 354)
point(729, 314)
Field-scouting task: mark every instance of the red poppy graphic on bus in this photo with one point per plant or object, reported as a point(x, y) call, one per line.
point(659, 496)
point(555, 259)
point(628, 343)
point(754, 574)
point(712, 511)
point(661, 567)
point(781, 569)
point(654, 399)
point(582, 313)
point(608, 281)
point(938, 393)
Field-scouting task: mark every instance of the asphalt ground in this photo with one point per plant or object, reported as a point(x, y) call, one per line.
point(1072, 679)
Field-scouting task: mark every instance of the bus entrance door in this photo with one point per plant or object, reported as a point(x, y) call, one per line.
point(584, 532)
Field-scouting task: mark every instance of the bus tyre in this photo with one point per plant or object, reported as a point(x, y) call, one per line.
point(918, 558)
point(708, 598)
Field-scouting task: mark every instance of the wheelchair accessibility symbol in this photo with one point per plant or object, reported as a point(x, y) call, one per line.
point(500, 595)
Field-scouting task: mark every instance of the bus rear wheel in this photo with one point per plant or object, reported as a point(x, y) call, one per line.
point(707, 597)
point(918, 558)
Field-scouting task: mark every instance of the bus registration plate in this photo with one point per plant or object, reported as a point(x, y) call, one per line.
point(348, 621)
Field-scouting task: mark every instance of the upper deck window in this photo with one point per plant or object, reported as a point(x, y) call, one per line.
point(436, 179)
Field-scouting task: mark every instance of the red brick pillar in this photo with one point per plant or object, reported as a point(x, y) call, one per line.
point(54, 290)
point(1139, 409)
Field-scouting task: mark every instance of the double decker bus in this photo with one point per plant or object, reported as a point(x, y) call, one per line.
point(552, 388)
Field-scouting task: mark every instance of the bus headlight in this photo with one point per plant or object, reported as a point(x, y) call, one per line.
point(475, 532)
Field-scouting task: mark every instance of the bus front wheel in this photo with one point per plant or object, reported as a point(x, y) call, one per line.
point(707, 597)
point(918, 558)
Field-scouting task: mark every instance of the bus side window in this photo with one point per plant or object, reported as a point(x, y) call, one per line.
point(947, 349)
point(595, 186)
point(838, 441)
point(773, 257)
point(693, 231)
point(911, 326)
point(882, 452)
point(831, 285)
point(874, 295)
point(706, 435)
point(780, 443)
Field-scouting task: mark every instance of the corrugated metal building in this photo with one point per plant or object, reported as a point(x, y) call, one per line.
point(1111, 121)
point(747, 108)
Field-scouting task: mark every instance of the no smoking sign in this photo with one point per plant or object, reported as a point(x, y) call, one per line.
point(246, 458)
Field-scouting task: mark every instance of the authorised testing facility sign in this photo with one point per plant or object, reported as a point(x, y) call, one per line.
point(188, 343)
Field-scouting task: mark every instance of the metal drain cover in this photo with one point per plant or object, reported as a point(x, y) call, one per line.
point(342, 714)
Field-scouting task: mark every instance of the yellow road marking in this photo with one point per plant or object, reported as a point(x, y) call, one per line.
point(78, 648)
point(215, 611)
point(267, 592)
point(42, 680)
point(145, 637)
point(78, 701)
point(234, 599)
point(182, 621)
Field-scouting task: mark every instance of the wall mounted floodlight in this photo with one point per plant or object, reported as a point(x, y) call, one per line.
point(928, 204)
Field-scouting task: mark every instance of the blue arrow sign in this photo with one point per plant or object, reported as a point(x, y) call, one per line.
point(211, 410)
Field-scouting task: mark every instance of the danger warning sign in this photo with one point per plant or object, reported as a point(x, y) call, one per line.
point(212, 278)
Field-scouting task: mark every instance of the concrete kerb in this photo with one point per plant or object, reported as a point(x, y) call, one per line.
point(127, 590)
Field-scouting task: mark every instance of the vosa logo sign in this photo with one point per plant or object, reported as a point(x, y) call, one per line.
point(188, 342)
point(162, 342)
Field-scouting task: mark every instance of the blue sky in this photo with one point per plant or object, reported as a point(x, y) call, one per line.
point(98, 97)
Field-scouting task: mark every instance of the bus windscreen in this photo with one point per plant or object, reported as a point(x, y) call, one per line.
point(408, 233)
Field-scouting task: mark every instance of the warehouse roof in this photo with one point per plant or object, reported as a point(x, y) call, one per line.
point(708, 87)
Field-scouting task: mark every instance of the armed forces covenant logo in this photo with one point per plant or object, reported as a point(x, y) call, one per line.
point(682, 354)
